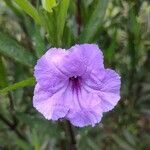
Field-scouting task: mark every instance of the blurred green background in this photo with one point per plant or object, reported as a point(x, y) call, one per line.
point(28, 28)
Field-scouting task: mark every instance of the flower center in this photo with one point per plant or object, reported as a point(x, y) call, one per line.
point(73, 78)
point(75, 83)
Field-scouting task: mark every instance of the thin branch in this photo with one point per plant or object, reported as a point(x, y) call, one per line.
point(12, 127)
point(72, 136)
point(11, 104)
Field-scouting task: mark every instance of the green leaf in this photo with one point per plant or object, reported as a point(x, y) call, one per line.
point(110, 51)
point(122, 143)
point(35, 140)
point(129, 137)
point(39, 42)
point(24, 83)
point(22, 145)
point(11, 48)
point(3, 79)
point(33, 31)
point(48, 4)
point(11, 5)
point(54, 22)
point(49, 23)
point(62, 10)
point(92, 144)
point(95, 21)
point(29, 9)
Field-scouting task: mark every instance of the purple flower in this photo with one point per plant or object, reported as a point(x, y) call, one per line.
point(74, 85)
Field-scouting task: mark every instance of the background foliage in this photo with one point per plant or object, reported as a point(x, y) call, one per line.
point(29, 27)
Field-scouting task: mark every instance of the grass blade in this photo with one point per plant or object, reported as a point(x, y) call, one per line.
point(21, 84)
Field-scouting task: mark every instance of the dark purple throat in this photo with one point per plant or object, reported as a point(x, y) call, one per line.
point(75, 83)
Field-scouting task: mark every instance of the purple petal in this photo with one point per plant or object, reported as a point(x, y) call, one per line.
point(86, 109)
point(74, 85)
point(110, 91)
point(106, 84)
point(83, 58)
point(50, 105)
point(82, 108)
point(85, 117)
point(48, 70)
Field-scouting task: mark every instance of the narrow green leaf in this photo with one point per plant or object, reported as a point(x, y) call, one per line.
point(11, 5)
point(35, 140)
point(95, 21)
point(24, 83)
point(129, 137)
point(39, 42)
point(22, 145)
point(34, 33)
point(92, 144)
point(62, 10)
point(48, 4)
point(122, 143)
point(54, 22)
point(29, 9)
point(110, 51)
point(49, 23)
point(3, 80)
point(11, 48)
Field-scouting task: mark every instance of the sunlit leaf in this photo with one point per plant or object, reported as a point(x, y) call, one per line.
point(48, 4)
point(29, 9)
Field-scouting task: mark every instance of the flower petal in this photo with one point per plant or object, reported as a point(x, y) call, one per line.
point(81, 109)
point(50, 105)
point(110, 91)
point(48, 71)
point(81, 59)
point(85, 117)
point(86, 109)
point(106, 84)
point(74, 85)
